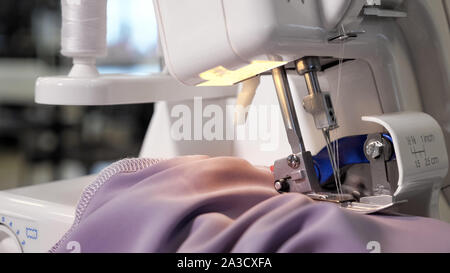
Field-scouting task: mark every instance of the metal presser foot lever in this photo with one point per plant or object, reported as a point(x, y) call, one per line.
point(296, 172)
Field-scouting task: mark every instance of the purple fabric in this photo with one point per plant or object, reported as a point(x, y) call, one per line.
point(202, 204)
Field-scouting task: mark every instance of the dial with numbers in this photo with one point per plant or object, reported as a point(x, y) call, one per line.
point(16, 234)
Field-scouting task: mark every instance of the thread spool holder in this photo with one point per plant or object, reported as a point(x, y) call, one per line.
point(84, 41)
point(85, 86)
point(120, 89)
point(84, 67)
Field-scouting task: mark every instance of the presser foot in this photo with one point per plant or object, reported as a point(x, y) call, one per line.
point(295, 182)
point(366, 205)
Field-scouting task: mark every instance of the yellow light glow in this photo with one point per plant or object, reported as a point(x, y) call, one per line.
point(220, 76)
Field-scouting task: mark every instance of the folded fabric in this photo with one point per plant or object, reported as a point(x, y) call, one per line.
point(202, 204)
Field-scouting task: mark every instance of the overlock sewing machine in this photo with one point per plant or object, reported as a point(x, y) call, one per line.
point(362, 88)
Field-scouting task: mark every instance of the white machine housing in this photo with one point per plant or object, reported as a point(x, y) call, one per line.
point(396, 45)
point(400, 62)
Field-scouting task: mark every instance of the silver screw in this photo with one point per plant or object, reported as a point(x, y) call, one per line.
point(293, 161)
point(374, 149)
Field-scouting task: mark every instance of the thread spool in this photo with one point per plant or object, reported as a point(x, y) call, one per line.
point(83, 34)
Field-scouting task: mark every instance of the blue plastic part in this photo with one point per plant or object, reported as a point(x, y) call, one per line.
point(351, 151)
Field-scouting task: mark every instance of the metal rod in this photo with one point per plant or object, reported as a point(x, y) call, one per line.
point(312, 82)
point(288, 110)
point(308, 67)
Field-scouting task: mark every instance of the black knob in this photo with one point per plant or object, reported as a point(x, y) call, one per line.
point(281, 186)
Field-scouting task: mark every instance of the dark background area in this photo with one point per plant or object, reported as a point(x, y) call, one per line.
point(41, 143)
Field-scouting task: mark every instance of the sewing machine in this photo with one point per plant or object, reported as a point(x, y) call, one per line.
point(369, 43)
point(348, 100)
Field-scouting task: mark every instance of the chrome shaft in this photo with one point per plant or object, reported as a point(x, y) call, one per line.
point(288, 110)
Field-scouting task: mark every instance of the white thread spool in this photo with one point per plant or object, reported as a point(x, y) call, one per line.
point(83, 34)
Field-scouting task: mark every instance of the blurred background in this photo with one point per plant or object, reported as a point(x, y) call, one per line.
point(40, 143)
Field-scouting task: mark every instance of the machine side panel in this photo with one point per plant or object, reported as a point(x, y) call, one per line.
point(191, 32)
point(271, 24)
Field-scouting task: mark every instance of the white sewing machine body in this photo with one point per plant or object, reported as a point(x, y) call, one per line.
point(383, 74)
point(388, 69)
point(233, 34)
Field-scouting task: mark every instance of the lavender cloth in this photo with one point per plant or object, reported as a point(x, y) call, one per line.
point(202, 204)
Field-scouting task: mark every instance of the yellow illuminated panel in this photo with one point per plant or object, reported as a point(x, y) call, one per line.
point(220, 76)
